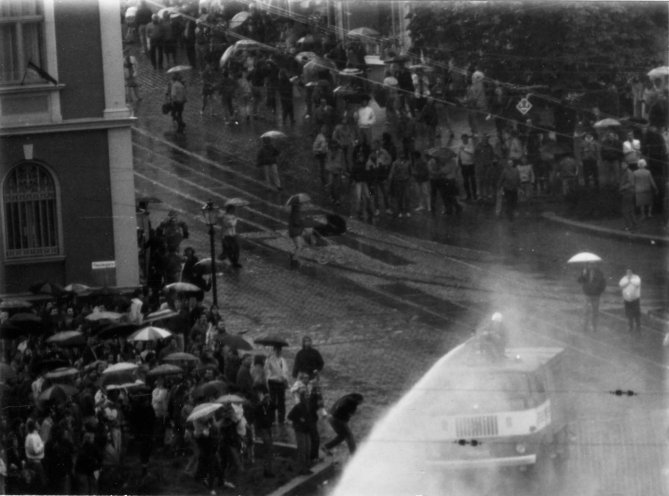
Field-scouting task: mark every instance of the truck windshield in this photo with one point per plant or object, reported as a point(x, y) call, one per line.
point(479, 392)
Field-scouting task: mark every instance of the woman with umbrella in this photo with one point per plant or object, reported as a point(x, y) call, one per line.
point(176, 96)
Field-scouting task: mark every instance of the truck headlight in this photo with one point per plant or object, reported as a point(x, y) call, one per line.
point(521, 448)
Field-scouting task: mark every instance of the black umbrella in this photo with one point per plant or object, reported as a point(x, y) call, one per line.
point(118, 329)
point(9, 331)
point(271, 341)
point(47, 288)
point(25, 319)
point(235, 341)
point(57, 392)
point(211, 388)
point(52, 363)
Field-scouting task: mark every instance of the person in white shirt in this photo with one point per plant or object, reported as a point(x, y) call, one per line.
point(276, 371)
point(630, 285)
point(365, 118)
point(631, 150)
point(34, 449)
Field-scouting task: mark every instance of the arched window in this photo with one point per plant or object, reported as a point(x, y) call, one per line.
point(31, 212)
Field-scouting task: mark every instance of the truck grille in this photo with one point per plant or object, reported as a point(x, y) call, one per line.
point(473, 427)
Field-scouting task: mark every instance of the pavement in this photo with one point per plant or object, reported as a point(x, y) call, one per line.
point(377, 259)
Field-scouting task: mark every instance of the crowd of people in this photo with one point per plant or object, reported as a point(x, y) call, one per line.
point(405, 170)
point(79, 412)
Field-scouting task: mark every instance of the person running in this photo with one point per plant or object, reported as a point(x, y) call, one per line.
point(340, 415)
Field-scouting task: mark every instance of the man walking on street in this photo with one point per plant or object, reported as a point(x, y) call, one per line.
point(593, 284)
point(267, 160)
point(627, 192)
point(630, 285)
point(509, 183)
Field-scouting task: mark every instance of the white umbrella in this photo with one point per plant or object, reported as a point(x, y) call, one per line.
point(363, 32)
point(227, 55)
point(239, 19)
point(95, 316)
point(236, 202)
point(165, 313)
point(659, 72)
point(203, 410)
point(298, 198)
point(120, 367)
point(182, 287)
point(273, 134)
point(608, 122)
point(178, 68)
point(584, 257)
point(150, 334)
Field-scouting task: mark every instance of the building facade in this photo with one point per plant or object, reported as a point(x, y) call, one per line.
point(66, 176)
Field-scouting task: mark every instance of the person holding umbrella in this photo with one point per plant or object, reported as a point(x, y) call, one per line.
point(176, 96)
point(267, 159)
point(593, 285)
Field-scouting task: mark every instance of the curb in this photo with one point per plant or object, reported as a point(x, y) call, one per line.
point(607, 232)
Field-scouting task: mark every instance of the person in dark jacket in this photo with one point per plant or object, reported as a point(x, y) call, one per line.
point(300, 418)
point(262, 421)
point(340, 414)
point(267, 159)
point(593, 284)
point(88, 465)
point(308, 359)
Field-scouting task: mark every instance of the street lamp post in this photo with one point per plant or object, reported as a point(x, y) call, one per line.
point(210, 214)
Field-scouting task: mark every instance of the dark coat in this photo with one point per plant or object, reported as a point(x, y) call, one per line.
point(307, 360)
point(595, 285)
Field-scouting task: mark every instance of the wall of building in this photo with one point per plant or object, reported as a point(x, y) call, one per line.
point(80, 162)
point(80, 64)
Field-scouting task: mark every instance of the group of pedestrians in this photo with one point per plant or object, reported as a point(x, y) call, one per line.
point(70, 425)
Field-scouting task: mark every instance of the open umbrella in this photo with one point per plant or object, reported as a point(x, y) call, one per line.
point(248, 44)
point(298, 198)
point(236, 202)
point(9, 331)
point(77, 288)
point(584, 257)
point(239, 19)
point(305, 57)
point(67, 338)
point(273, 134)
point(57, 392)
point(182, 287)
point(95, 364)
point(441, 152)
point(47, 288)
point(363, 32)
point(117, 329)
point(178, 68)
point(235, 341)
point(204, 410)
point(420, 67)
point(350, 71)
point(120, 367)
point(165, 313)
point(180, 356)
point(205, 265)
point(131, 384)
point(61, 372)
point(211, 388)
point(658, 72)
point(608, 122)
point(15, 304)
point(150, 334)
point(26, 319)
point(164, 369)
point(227, 55)
point(98, 316)
point(6, 372)
point(271, 341)
point(230, 398)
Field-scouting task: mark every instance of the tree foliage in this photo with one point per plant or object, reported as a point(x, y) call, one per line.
point(540, 43)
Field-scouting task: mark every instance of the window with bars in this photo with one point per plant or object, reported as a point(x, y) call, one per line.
point(21, 39)
point(31, 212)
